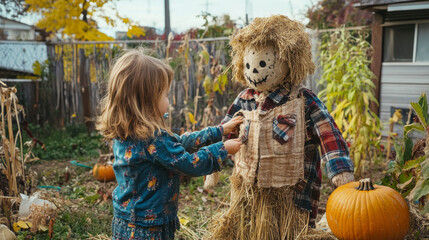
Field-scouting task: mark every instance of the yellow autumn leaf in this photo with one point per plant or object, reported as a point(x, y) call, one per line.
point(66, 17)
point(135, 31)
point(205, 56)
point(207, 84)
point(126, 20)
point(396, 116)
point(216, 87)
point(191, 118)
point(183, 221)
point(37, 69)
point(21, 225)
point(223, 80)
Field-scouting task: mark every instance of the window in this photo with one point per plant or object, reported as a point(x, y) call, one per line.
point(422, 51)
point(398, 43)
point(406, 43)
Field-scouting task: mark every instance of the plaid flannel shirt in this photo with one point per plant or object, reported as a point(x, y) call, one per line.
point(321, 131)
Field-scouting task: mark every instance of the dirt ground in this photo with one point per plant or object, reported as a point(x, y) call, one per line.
point(196, 206)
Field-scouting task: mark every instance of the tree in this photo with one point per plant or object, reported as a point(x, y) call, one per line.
point(335, 13)
point(12, 8)
point(76, 18)
point(214, 26)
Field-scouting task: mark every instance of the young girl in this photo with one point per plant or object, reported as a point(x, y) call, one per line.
point(149, 158)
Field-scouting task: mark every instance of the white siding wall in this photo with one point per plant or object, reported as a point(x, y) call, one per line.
point(16, 30)
point(400, 85)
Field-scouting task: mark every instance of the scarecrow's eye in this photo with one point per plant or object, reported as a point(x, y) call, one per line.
point(262, 64)
point(247, 65)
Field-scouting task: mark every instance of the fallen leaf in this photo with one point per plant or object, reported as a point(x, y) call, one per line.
point(21, 225)
point(42, 228)
point(183, 221)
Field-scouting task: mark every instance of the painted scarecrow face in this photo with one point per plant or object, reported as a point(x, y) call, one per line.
point(262, 69)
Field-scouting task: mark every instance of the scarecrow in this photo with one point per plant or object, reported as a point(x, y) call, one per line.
point(275, 185)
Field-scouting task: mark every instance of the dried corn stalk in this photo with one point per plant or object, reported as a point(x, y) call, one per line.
point(11, 157)
point(184, 51)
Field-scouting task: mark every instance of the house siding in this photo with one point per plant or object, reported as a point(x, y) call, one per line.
point(400, 85)
point(16, 30)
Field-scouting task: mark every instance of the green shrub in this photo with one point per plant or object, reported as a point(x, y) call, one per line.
point(407, 175)
point(69, 142)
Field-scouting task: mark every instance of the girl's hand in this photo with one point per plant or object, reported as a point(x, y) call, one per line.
point(232, 145)
point(230, 126)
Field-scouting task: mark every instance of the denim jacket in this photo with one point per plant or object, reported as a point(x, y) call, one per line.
point(148, 171)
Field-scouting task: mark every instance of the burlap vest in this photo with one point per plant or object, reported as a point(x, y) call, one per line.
point(269, 157)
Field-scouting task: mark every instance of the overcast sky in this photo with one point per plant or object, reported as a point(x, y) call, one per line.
point(183, 13)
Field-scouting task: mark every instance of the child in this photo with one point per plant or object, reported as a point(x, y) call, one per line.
point(149, 158)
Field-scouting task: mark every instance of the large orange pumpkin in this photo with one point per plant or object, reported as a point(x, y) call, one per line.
point(103, 172)
point(361, 210)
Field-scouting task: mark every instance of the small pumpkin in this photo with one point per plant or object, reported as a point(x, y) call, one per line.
point(103, 172)
point(361, 210)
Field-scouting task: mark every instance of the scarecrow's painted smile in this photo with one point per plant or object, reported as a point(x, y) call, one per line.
point(261, 68)
point(254, 82)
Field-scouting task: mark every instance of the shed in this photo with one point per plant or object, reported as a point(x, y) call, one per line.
point(400, 39)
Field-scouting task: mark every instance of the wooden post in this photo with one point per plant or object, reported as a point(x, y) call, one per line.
point(85, 82)
point(377, 46)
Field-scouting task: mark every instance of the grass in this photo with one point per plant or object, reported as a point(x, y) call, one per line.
point(72, 224)
point(197, 206)
point(72, 141)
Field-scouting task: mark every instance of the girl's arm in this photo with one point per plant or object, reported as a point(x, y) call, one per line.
point(192, 141)
point(169, 152)
point(235, 107)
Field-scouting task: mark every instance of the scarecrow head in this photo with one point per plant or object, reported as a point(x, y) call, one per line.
point(270, 52)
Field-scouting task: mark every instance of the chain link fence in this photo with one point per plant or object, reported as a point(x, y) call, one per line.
point(20, 56)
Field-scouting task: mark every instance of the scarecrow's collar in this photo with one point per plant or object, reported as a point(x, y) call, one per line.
point(276, 96)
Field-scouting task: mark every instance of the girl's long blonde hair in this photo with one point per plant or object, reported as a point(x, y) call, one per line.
point(130, 108)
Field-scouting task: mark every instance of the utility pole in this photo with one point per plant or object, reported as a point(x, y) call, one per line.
point(248, 11)
point(167, 19)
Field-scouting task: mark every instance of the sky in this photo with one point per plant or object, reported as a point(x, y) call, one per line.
point(184, 13)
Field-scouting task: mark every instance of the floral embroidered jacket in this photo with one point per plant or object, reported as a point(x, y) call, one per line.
point(148, 172)
point(321, 130)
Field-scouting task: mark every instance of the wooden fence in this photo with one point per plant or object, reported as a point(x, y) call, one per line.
point(78, 72)
point(74, 77)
